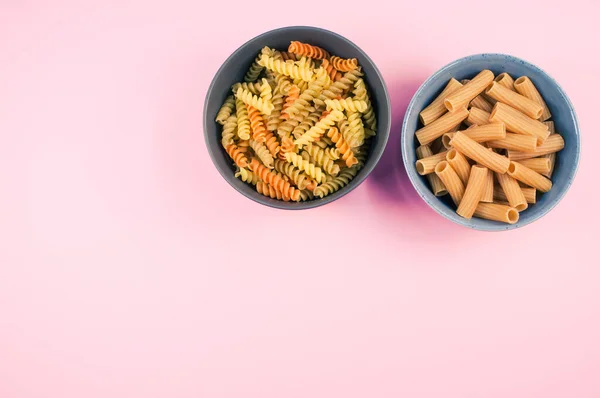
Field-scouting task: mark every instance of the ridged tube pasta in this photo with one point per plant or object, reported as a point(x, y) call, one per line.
point(336, 183)
point(518, 122)
point(426, 165)
point(360, 93)
point(553, 144)
point(525, 87)
point(481, 103)
point(479, 153)
point(313, 171)
point(307, 50)
point(440, 126)
point(497, 212)
point(322, 159)
point(262, 152)
point(437, 108)
point(515, 100)
point(288, 68)
point(473, 191)
point(243, 129)
point(259, 131)
point(298, 177)
point(250, 99)
point(505, 80)
point(460, 164)
point(319, 128)
point(477, 117)
point(488, 190)
point(529, 177)
point(484, 133)
point(528, 192)
point(512, 191)
point(342, 146)
point(229, 131)
point(516, 142)
point(347, 104)
point(303, 102)
point(333, 73)
point(465, 94)
point(344, 65)
point(437, 186)
point(226, 110)
point(238, 157)
point(256, 68)
point(246, 175)
point(451, 180)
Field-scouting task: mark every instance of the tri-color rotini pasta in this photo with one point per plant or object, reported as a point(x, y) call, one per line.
point(493, 165)
point(298, 127)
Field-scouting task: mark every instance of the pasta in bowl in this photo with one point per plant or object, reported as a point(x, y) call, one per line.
point(491, 142)
point(296, 118)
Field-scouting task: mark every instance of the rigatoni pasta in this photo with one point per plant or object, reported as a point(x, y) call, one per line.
point(437, 128)
point(437, 107)
point(473, 191)
point(518, 122)
point(469, 91)
point(525, 87)
point(437, 186)
point(451, 180)
point(514, 99)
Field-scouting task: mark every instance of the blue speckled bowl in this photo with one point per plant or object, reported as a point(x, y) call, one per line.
point(563, 116)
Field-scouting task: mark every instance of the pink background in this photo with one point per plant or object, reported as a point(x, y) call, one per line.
point(129, 268)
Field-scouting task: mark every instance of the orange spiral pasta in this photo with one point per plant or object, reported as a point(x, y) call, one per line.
point(300, 48)
point(272, 144)
point(259, 131)
point(342, 146)
point(267, 190)
point(344, 65)
point(333, 73)
point(268, 176)
point(238, 157)
point(293, 95)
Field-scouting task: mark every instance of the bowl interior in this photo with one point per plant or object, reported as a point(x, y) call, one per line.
point(563, 116)
point(233, 71)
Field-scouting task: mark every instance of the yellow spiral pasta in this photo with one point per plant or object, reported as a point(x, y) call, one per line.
point(360, 93)
point(254, 87)
point(303, 103)
point(252, 100)
point(319, 128)
point(283, 84)
point(262, 152)
point(229, 131)
point(246, 175)
point(266, 93)
point(313, 171)
point(352, 130)
point(243, 121)
point(322, 159)
point(348, 104)
point(298, 177)
point(335, 184)
point(288, 68)
point(226, 110)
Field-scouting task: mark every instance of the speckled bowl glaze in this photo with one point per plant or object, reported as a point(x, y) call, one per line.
point(233, 70)
point(563, 116)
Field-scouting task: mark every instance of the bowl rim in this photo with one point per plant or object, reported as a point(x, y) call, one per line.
point(372, 161)
point(406, 142)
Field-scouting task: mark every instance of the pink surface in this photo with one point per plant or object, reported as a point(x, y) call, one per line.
point(129, 268)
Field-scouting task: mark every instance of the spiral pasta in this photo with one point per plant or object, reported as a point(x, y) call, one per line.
point(259, 132)
point(250, 99)
point(340, 87)
point(235, 154)
point(256, 68)
point(253, 87)
point(322, 159)
point(299, 178)
point(226, 110)
point(293, 95)
point(302, 104)
point(274, 180)
point(267, 190)
point(342, 146)
point(262, 152)
point(306, 195)
point(275, 117)
point(272, 144)
point(344, 65)
point(243, 128)
point(288, 68)
point(266, 93)
point(229, 131)
point(307, 50)
point(333, 73)
point(313, 171)
point(246, 175)
point(283, 84)
point(318, 129)
point(336, 183)
point(347, 104)
point(310, 120)
point(353, 130)
point(360, 93)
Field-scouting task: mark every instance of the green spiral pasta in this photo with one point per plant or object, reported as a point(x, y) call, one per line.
point(319, 128)
point(303, 103)
point(360, 93)
point(288, 68)
point(274, 118)
point(306, 195)
point(313, 171)
point(336, 183)
point(250, 99)
point(340, 87)
point(348, 104)
point(310, 120)
point(256, 67)
point(229, 130)
point(262, 152)
point(253, 87)
point(226, 110)
point(246, 175)
point(298, 177)
point(322, 159)
point(243, 128)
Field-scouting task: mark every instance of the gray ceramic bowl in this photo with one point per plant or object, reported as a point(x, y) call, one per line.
point(563, 116)
point(233, 70)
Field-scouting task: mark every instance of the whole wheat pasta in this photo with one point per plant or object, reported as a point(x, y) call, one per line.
point(437, 107)
point(528, 192)
point(488, 190)
point(473, 191)
point(512, 191)
point(477, 116)
point(539, 165)
point(486, 132)
point(481, 103)
point(442, 125)
point(553, 144)
point(465, 94)
point(518, 122)
point(451, 180)
point(515, 100)
point(437, 186)
point(426, 165)
point(516, 142)
point(226, 110)
point(525, 87)
point(497, 212)
point(529, 177)
point(459, 163)
point(479, 154)
point(505, 80)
